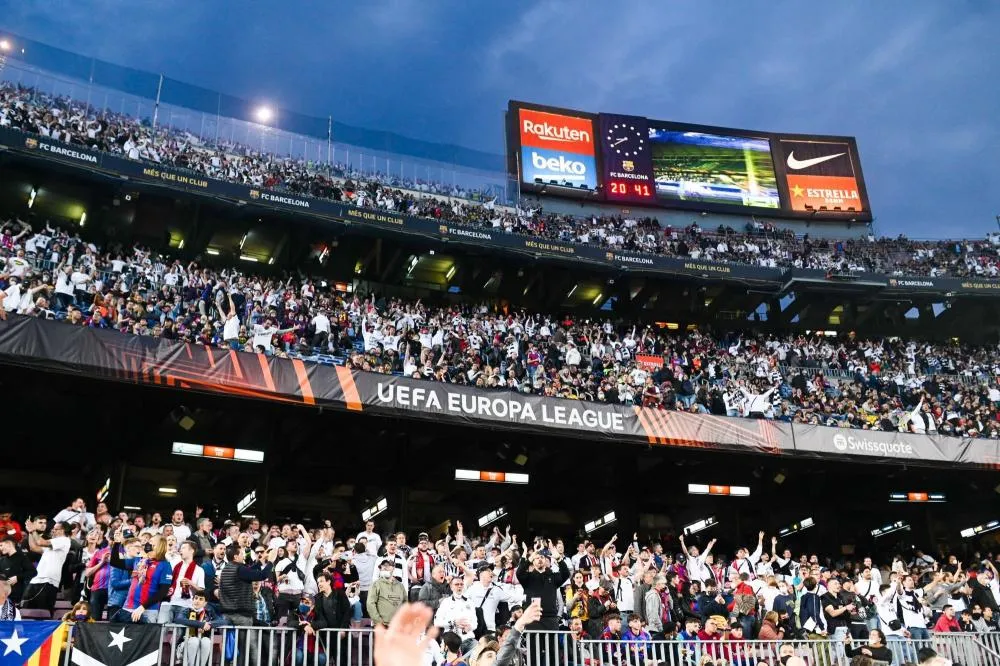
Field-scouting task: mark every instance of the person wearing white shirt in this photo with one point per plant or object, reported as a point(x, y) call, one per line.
point(911, 602)
point(77, 514)
point(373, 542)
point(181, 530)
point(485, 595)
point(188, 578)
point(456, 613)
point(867, 588)
point(623, 591)
point(876, 572)
point(886, 606)
point(745, 563)
point(41, 590)
point(12, 295)
point(322, 325)
point(291, 574)
point(231, 327)
point(696, 567)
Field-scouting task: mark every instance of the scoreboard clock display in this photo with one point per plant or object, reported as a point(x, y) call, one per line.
point(627, 167)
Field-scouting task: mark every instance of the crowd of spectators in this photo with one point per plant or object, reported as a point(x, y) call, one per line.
point(881, 384)
point(485, 590)
point(759, 244)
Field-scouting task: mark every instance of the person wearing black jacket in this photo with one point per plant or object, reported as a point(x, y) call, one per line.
point(982, 595)
point(236, 598)
point(15, 567)
point(539, 581)
point(874, 648)
point(710, 602)
point(332, 611)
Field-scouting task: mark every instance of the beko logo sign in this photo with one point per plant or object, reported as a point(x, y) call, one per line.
point(862, 445)
point(558, 164)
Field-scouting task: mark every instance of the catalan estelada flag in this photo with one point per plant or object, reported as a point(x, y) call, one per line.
point(31, 643)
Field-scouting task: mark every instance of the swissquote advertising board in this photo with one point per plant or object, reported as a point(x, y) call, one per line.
point(52, 346)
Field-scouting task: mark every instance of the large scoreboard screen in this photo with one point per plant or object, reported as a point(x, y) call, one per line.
point(631, 159)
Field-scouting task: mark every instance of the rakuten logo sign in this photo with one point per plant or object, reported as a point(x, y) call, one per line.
point(873, 447)
point(556, 131)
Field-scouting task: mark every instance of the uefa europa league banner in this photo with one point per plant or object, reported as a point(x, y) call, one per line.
point(57, 347)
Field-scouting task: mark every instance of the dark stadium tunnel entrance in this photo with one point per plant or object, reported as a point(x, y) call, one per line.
point(327, 465)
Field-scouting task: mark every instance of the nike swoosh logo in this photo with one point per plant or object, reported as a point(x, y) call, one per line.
point(805, 164)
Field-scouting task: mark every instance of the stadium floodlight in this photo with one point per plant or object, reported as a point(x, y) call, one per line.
point(375, 509)
point(933, 498)
point(129, 507)
point(5, 45)
point(492, 516)
point(598, 523)
point(167, 490)
point(706, 489)
point(701, 525)
point(803, 524)
point(31, 197)
point(980, 529)
point(212, 251)
point(83, 218)
point(264, 114)
point(897, 526)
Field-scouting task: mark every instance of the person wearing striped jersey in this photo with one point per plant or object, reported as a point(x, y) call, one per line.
point(152, 576)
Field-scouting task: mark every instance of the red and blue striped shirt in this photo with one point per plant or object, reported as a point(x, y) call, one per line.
point(147, 577)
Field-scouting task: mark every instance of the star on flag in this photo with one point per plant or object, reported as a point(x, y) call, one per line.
point(13, 644)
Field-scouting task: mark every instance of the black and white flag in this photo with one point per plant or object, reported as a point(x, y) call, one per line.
point(116, 644)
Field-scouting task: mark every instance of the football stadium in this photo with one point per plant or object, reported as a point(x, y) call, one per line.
point(625, 391)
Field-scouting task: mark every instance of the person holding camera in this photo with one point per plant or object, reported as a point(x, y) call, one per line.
point(539, 581)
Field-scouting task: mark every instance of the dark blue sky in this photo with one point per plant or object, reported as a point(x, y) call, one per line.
point(917, 82)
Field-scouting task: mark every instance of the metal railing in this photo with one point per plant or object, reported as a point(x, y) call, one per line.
point(290, 646)
point(564, 649)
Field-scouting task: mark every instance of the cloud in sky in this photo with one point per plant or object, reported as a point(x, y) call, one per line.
point(916, 82)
